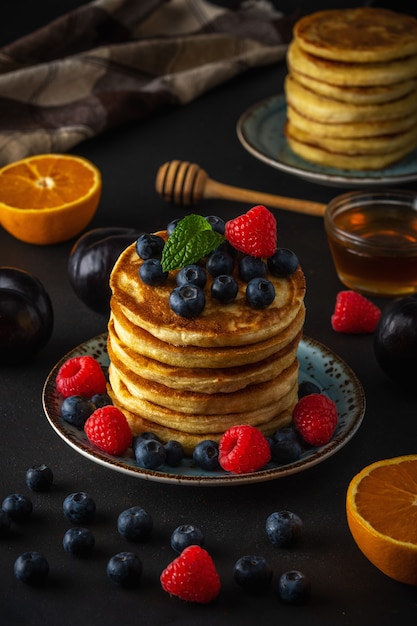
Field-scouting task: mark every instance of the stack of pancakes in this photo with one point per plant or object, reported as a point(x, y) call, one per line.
point(351, 90)
point(191, 379)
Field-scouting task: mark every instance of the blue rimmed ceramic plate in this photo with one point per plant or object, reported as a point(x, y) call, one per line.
point(317, 364)
point(261, 132)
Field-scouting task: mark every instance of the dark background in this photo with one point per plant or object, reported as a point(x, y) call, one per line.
point(347, 589)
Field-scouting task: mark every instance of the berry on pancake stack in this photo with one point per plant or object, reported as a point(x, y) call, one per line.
point(204, 331)
point(351, 89)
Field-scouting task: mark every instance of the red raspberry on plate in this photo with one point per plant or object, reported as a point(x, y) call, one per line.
point(192, 576)
point(243, 449)
point(315, 417)
point(354, 313)
point(107, 428)
point(254, 233)
point(81, 376)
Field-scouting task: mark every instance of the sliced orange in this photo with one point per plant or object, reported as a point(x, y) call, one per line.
point(48, 198)
point(381, 508)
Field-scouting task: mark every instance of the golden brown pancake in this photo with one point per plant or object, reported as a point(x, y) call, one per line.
point(362, 35)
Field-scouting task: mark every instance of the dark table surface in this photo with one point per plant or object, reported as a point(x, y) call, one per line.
point(346, 588)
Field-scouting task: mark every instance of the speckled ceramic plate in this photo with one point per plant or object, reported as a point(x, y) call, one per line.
point(261, 132)
point(317, 364)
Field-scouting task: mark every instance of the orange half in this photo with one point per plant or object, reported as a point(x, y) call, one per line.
point(48, 198)
point(381, 508)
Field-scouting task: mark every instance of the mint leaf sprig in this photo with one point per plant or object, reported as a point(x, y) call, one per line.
point(192, 239)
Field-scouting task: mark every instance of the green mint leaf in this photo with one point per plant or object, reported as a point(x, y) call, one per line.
point(192, 239)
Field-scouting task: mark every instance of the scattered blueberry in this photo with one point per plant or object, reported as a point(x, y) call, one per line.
point(216, 223)
point(135, 524)
point(192, 275)
point(220, 262)
point(174, 453)
point(5, 524)
point(186, 535)
point(101, 399)
point(78, 542)
point(31, 568)
point(79, 508)
point(149, 246)
point(149, 453)
point(224, 288)
point(286, 446)
point(18, 506)
point(283, 262)
point(306, 387)
point(39, 478)
point(283, 528)
point(187, 300)
point(260, 293)
point(251, 267)
point(294, 588)
point(253, 573)
point(76, 410)
point(125, 569)
point(206, 455)
point(145, 435)
point(151, 273)
point(172, 225)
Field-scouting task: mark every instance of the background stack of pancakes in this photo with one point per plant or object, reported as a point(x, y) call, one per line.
point(351, 90)
point(191, 379)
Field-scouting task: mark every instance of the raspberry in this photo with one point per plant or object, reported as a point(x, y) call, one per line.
point(254, 233)
point(80, 376)
point(107, 428)
point(192, 576)
point(243, 449)
point(354, 313)
point(315, 418)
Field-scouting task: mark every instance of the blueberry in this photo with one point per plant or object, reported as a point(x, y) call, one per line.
point(286, 446)
point(125, 569)
point(174, 453)
point(283, 262)
point(216, 223)
point(76, 410)
point(187, 301)
point(151, 273)
point(186, 535)
point(192, 275)
point(283, 528)
point(78, 542)
point(5, 524)
point(172, 225)
point(306, 387)
point(253, 573)
point(145, 435)
point(149, 453)
point(227, 247)
point(206, 455)
point(101, 399)
point(18, 506)
point(260, 293)
point(220, 262)
point(224, 288)
point(39, 478)
point(135, 524)
point(149, 246)
point(79, 508)
point(31, 568)
point(294, 588)
point(251, 267)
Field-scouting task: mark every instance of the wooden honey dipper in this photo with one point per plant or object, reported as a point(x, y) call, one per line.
point(184, 183)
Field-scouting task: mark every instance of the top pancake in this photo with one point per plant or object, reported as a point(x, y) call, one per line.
point(233, 324)
point(362, 35)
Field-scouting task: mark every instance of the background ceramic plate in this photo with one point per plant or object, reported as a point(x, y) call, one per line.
point(261, 131)
point(317, 364)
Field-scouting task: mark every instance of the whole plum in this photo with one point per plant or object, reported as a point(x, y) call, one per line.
point(26, 315)
point(91, 261)
point(395, 340)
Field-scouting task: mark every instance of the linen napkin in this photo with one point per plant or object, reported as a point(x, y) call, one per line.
point(111, 62)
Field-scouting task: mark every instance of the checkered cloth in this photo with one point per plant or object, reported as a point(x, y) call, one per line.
point(114, 61)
